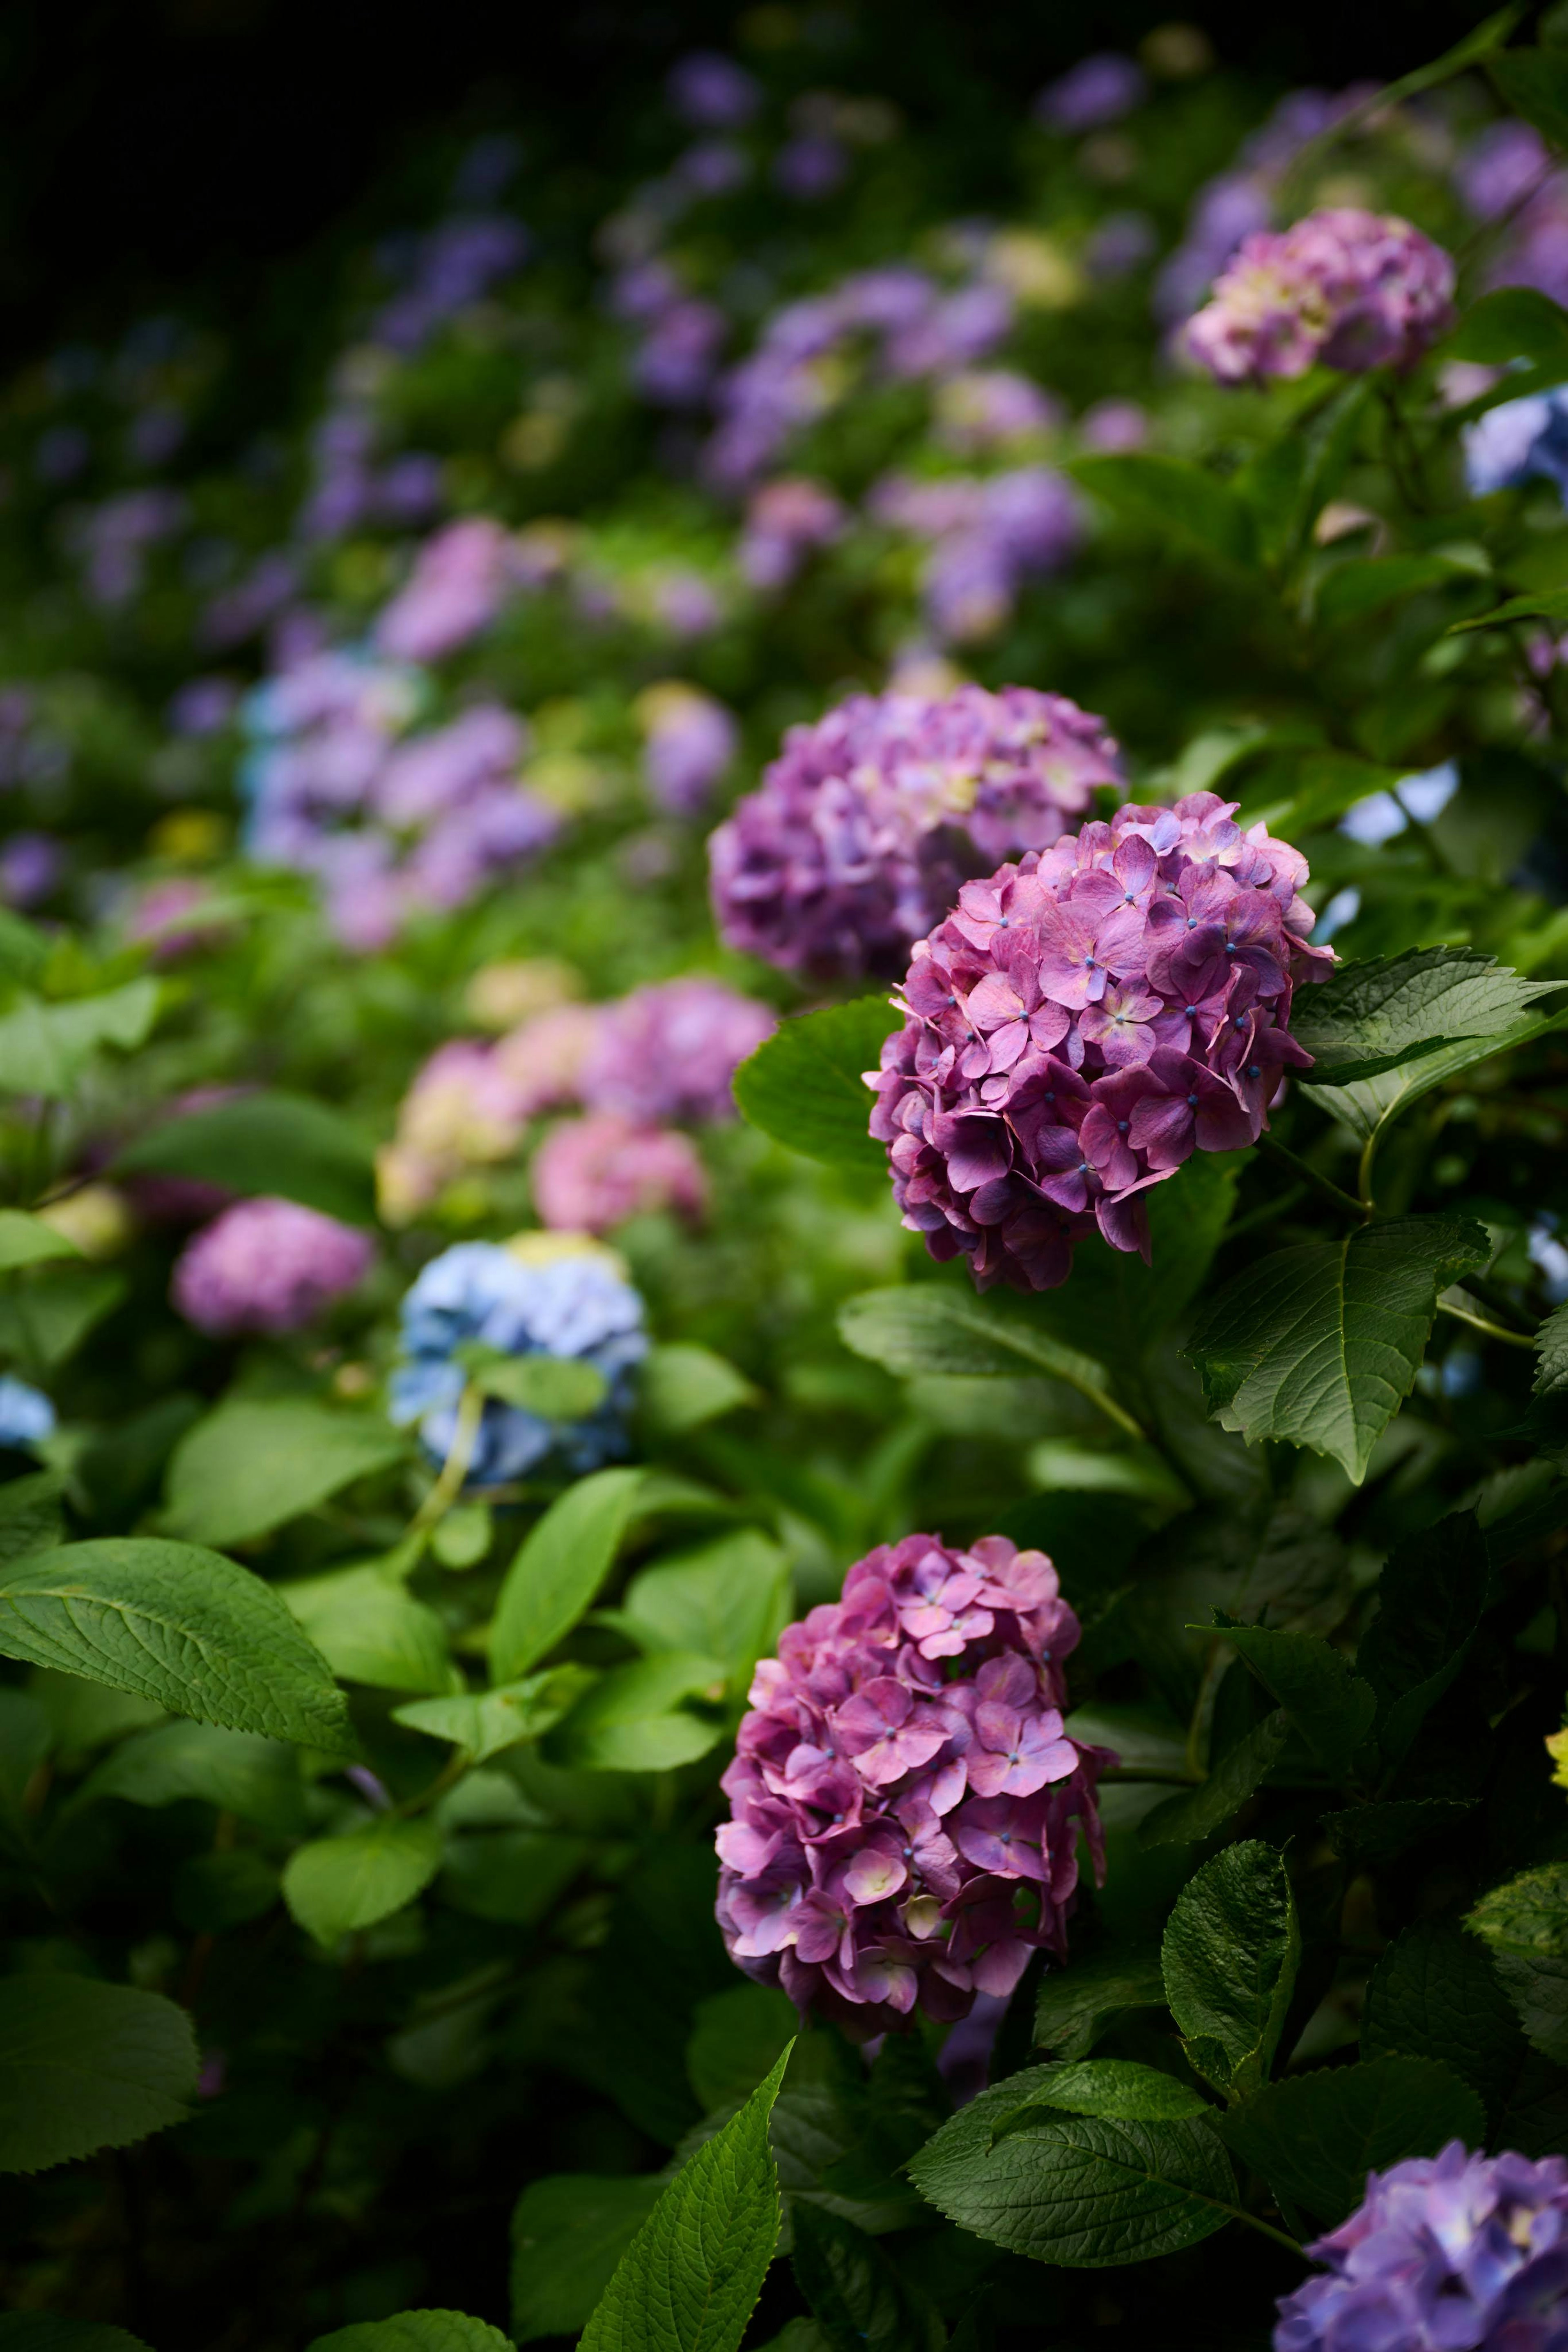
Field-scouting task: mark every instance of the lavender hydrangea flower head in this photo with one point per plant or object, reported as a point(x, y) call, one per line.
point(267, 1266)
point(905, 1801)
point(1352, 289)
point(464, 1109)
point(1444, 2253)
point(856, 841)
point(1081, 1024)
point(1519, 439)
point(590, 1174)
point(569, 1299)
point(785, 521)
point(670, 1052)
point(1098, 89)
point(454, 590)
point(711, 92)
point(690, 741)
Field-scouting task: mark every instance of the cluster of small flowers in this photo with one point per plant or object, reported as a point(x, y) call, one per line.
point(266, 1266)
point(905, 1801)
point(1350, 290)
point(680, 335)
point(445, 271)
point(112, 542)
point(389, 822)
point(541, 1294)
point(1096, 90)
point(984, 410)
point(458, 583)
point(689, 739)
point(861, 831)
point(1081, 1024)
point(1444, 2252)
point(350, 483)
point(986, 535)
point(786, 522)
point(1507, 175)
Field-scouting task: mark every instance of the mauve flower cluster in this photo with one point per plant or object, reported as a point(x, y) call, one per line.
point(1082, 1022)
point(444, 271)
point(459, 580)
point(680, 334)
point(1506, 171)
point(670, 1052)
point(1452, 2252)
point(689, 739)
point(986, 535)
point(1348, 288)
point(1098, 89)
point(266, 1266)
point(906, 1803)
point(861, 831)
point(590, 1174)
point(987, 409)
point(785, 520)
point(352, 484)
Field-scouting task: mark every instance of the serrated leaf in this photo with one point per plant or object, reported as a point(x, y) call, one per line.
point(1366, 1105)
point(736, 2037)
point(1194, 1814)
point(85, 2065)
point(1119, 2086)
point(1435, 1994)
point(1230, 1953)
point(690, 2279)
point(1080, 2001)
point(256, 1778)
point(485, 1722)
point(632, 1720)
point(335, 1886)
point(1372, 1017)
point(1327, 1701)
point(1086, 2192)
point(45, 1048)
point(924, 1327)
point(1175, 496)
point(1524, 1924)
point(29, 1241)
point(563, 1561)
point(369, 1630)
point(415, 2331)
point(805, 1086)
point(282, 1144)
point(258, 1461)
point(1321, 1344)
point(858, 2295)
point(1551, 1352)
point(176, 1624)
point(1430, 1596)
point(1370, 1835)
point(1314, 2138)
point(568, 2232)
point(31, 1519)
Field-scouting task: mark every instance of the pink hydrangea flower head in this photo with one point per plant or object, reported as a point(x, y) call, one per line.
point(465, 1109)
point(454, 590)
point(862, 830)
point(267, 1266)
point(544, 1058)
point(591, 1173)
point(905, 1803)
point(1081, 1024)
point(1352, 290)
point(670, 1052)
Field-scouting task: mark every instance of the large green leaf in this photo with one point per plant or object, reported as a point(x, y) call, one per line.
point(1315, 2137)
point(1435, 1994)
point(1366, 1105)
point(1173, 495)
point(728, 1600)
point(690, 2279)
point(1367, 1018)
point(805, 1086)
point(86, 2065)
point(858, 2295)
point(1087, 2191)
point(632, 1719)
point(415, 2331)
point(1078, 2002)
point(1321, 1344)
point(562, 1563)
point(1231, 1954)
point(1353, 591)
point(369, 1630)
point(337, 1884)
point(45, 1048)
point(568, 2232)
point(1430, 1597)
point(1194, 1814)
point(1119, 2086)
point(923, 1328)
point(681, 1386)
point(29, 1241)
point(1524, 1924)
point(485, 1722)
point(48, 1313)
point(258, 1461)
point(256, 1778)
point(177, 1624)
point(1327, 1701)
point(1515, 322)
point(267, 1143)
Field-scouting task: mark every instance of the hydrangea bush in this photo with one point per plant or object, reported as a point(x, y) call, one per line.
point(855, 826)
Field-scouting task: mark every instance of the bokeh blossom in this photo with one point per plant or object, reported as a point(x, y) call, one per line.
point(465, 1109)
point(862, 828)
point(669, 1052)
point(454, 590)
point(1350, 290)
point(1081, 1024)
point(905, 1803)
point(1519, 439)
point(986, 535)
point(689, 739)
point(786, 522)
point(590, 1174)
point(266, 1266)
point(1444, 2253)
point(26, 1415)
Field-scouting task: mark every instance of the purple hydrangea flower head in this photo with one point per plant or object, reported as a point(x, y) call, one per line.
point(31, 865)
point(690, 741)
point(905, 1801)
point(1098, 89)
point(26, 1415)
point(1081, 1024)
point(1444, 2253)
point(266, 1266)
point(985, 409)
point(856, 841)
point(812, 166)
point(454, 591)
point(785, 521)
point(116, 538)
point(537, 1295)
point(711, 92)
point(590, 1174)
point(204, 706)
point(1517, 439)
point(670, 1052)
point(1352, 289)
point(1501, 167)
point(450, 267)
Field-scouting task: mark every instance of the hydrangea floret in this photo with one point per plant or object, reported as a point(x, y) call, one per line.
point(267, 1265)
point(1347, 289)
point(1081, 1024)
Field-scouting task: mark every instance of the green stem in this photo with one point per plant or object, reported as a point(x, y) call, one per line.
point(1266, 2229)
point(1283, 1157)
point(1481, 1323)
point(1363, 1171)
point(457, 1764)
point(454, 1469)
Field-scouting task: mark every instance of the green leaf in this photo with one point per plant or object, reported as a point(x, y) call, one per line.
point(805, 1085)
point(85, 2065)
point(45, 1316)
point(735, 2038)
point(562, 1563)
point(926, 1326)
point(1231, 1954)
point(1078, 2002)
point(267, 1143)
point(1194, 1814)
point(568, 2232)
point(1525, 1925)
point(1515, 322)
point(371, 1631)
point(632, 1719)
point(1435, 1994)
point(29, 1241)
point(682, 1387)
point(177, 1624)
point(224, 1889)
point(1087, 2191)
point(41, 2331)
point(1321, 1344)
point(415, 2331)
point(1300, 788)
point(1173, 495)
point(1324, 1696)
point(26, 1736)
point(1353, 591)
point(1119, 2086)
point(1314, 2138)
point(556, 1388)
point(337, 1884)
point(729, 1599)
point(1534, 82)
point(1372, 1835)
point(1430, 1597)
point(514, 1876)
point(1366, 1105)
point(256, 1778)
point(485, 1722)
point(690, 2279)
point(31, 1519)
point(1552, 1349)
point(858, 2295)
point(1370, 1017)
point(1538, 604)
point(258, 1461)
point(45, 1048)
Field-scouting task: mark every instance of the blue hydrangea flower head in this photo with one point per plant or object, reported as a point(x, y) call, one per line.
point(552, 1295)
point(26, 1413)
point(1519, 439)
point(1453, 2253)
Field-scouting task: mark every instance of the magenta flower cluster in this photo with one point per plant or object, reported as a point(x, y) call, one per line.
point(905, 1801)
point(1350, 290)
point(1444, 2253)
point(857, 839)
point(1081, 1024)
point(266, 1266)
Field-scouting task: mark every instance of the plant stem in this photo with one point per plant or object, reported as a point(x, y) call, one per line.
point(1364, 1171)
point(1267, 2229)
point(1283, 1157)
point(1481, 1323)
point(454, 1469)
